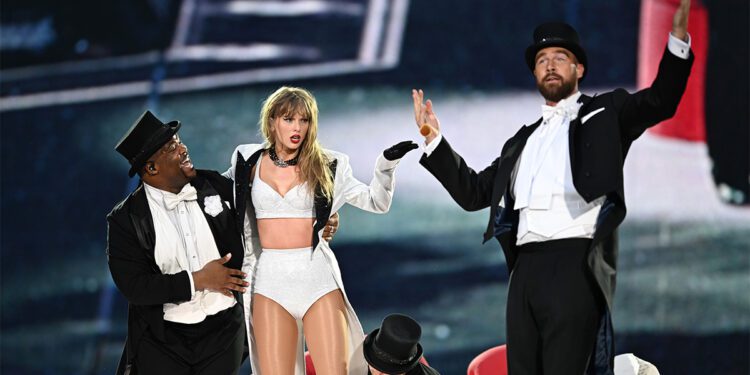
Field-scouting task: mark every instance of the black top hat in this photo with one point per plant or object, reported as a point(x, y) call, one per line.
point(144, 138)
point(556, 34)
point(394, 347)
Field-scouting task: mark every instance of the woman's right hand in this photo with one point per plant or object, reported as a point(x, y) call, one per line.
point(331, 227)
point(427, 121)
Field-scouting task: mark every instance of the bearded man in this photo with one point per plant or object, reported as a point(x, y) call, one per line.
point(556, 198)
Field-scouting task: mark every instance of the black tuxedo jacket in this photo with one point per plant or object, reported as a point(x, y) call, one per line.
point(130, 251)
point(599, 140)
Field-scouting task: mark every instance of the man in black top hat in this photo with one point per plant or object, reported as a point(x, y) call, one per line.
point(394, 349)
point(175, 252)
point(556, 198)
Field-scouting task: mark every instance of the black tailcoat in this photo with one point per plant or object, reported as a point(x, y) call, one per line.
point(598, 147)
point(130, 251)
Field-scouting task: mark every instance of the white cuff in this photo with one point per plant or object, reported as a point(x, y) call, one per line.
point(383, 164)
point(192, 285)
point(679, 47)
point(430, 147)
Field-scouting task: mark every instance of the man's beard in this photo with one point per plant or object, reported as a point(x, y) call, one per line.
point(556, 93)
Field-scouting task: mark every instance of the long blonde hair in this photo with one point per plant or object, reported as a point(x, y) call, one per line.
point(313, 163)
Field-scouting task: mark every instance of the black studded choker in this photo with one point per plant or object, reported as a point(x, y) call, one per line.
point(282, 163)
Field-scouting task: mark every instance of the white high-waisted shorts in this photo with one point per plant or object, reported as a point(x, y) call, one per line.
point(294, 278)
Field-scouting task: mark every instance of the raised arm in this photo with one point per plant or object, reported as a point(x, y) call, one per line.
point(471, 190)
point(659, 102)
point(377, 196)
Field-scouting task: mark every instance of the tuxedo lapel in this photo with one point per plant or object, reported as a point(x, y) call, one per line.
point(508, 161)
point(322, 207)
point(242, 184)
point(220, 225)
point(143, 223)
point(585, 100)
point(204, 190)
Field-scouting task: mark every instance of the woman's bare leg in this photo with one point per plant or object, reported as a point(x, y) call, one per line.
point(275, 336)
point(326, 334)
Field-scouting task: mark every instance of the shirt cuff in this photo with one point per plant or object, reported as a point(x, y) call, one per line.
point(383, 164)
point(679, 47)
point(430, 147)
point(192, 285)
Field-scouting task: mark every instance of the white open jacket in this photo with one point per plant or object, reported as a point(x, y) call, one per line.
point(375, 197)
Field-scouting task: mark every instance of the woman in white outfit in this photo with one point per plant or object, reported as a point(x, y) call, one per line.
point(285, 191)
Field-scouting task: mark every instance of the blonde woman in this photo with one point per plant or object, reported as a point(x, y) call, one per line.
point(285, 191)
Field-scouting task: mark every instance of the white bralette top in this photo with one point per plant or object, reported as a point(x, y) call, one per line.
point(269, 204)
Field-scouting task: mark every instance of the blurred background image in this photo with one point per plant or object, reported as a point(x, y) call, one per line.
point(74, 76)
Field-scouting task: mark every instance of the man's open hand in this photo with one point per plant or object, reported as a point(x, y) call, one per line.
point(217, 277)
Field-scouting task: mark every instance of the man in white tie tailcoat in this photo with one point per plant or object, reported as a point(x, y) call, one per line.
point(556, 198)
point(175, 252)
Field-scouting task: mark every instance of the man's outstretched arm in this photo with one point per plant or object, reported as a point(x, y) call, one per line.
point(471, 190)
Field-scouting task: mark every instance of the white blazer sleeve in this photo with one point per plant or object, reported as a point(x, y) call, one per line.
point(375, 197)
point(229, 173)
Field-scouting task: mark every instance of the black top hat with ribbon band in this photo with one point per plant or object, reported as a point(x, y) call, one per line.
point(394, 347)
point(144, 138)
point(556, 34)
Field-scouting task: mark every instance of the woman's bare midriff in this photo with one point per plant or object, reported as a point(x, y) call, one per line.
point(285, 233)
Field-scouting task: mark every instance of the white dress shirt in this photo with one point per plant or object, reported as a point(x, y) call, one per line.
point(184, 242)
point(549, 206)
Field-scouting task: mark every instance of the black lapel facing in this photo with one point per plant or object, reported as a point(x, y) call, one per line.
point(514, 150)
point(143, 223)
point(140, 216)
point(242, 170)
point(205, 189)
point(510, 157)
point(508, 161)
point(585, 100)
point(322, 206)
point(221, 225)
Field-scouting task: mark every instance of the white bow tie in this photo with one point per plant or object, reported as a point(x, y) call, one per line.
point(562, 110)
point(188, 193)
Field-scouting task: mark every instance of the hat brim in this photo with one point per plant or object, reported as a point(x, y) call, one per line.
point(155, 143)
point(383, 366)
point(576, 49)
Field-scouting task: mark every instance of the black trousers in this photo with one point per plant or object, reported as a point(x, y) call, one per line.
point(553, 309)
point(212, 347)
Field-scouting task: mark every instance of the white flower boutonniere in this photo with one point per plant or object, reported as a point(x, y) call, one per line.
point(212, 205)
